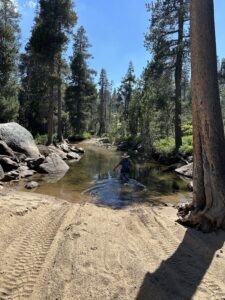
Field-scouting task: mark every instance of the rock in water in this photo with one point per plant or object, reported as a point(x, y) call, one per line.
point(31, 185)
point(19, 139)
point(73, 155)
point(2, 174)
point(186, 170)
point(53, 164)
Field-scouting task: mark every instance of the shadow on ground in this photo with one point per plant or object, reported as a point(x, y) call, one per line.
point(179, 276)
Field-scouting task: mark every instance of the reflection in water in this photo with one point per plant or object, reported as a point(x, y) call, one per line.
point(94, 172)
point(114, 193)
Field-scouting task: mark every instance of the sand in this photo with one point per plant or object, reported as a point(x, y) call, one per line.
point(52, 249)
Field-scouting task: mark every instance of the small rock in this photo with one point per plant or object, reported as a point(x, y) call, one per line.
point(34, 163)
point(73, 155)
point(8, 164)
point(13, 175)
point(31, 185)
point(186, 170)
point(27, 173)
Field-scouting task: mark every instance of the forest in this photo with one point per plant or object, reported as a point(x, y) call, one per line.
point(57, 97)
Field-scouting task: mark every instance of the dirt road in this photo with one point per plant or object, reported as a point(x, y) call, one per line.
point(51, 249)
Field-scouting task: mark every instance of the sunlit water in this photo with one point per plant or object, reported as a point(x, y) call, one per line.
point(93, 179)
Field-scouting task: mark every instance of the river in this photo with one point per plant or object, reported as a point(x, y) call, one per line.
point(92, 179)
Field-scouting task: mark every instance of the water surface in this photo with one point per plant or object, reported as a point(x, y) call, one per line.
point(93, 179)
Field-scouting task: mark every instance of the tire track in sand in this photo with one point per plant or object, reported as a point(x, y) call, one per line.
point(25, 256)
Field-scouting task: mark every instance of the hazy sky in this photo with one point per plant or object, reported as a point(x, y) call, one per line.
point(116, 31)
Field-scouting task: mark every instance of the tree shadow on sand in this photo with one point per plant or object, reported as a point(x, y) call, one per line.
point(180, 275)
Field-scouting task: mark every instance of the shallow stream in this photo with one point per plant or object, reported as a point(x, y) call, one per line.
point(93, 179)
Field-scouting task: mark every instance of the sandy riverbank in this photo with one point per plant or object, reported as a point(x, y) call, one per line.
point(52, 249)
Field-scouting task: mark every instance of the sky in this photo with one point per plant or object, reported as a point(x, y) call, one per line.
point(116, 32)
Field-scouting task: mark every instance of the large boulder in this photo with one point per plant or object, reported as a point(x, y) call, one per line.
point(53, 164)
point(19, 139)
point(186, 170)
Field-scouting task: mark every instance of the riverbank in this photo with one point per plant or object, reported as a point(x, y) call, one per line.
point(52, 249)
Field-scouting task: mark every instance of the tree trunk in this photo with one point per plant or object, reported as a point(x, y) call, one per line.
point(59, 99)
point(208, 208)
point(178, 76)
point(51, 107)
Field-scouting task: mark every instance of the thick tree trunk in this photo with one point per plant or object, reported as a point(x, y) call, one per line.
point(178, 76)
point(208, 208)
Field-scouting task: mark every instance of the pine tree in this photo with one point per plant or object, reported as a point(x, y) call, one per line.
point(50, 35)
point(127, 87)
point(9, 30)
point(81, 92)
point(169, 41)
point(103, 99)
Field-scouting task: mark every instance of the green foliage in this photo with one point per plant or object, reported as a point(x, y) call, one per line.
point(165, 146)
point(187, 145)
point(9, 31)
point(187, 129)
point(41, 139)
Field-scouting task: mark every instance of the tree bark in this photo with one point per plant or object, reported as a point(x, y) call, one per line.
point(178, 75)
point(59, 99)
point(208, 208)
point(51, 106)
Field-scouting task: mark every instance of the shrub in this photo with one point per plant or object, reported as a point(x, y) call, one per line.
point(187, 145)
point(41, 139)
point(165, 145)
point(187, 129)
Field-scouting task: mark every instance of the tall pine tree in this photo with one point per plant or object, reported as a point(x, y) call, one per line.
point(9, 30)
point(54, 23)
point(81, 92)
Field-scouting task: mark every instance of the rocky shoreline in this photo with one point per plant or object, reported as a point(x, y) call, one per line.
point(20, 157)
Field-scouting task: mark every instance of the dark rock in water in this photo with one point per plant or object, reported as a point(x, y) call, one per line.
point(53, 164)
point(81, 150)
point(2, 173)
point(186, 170)
point(13, 175)
point(19, 139)
point(27, 173)
point(73, 155)
point(44, 150)
point(8, 164)
point(31, 185)
point(77, 150)
point(6, 150)
point(34, 163)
